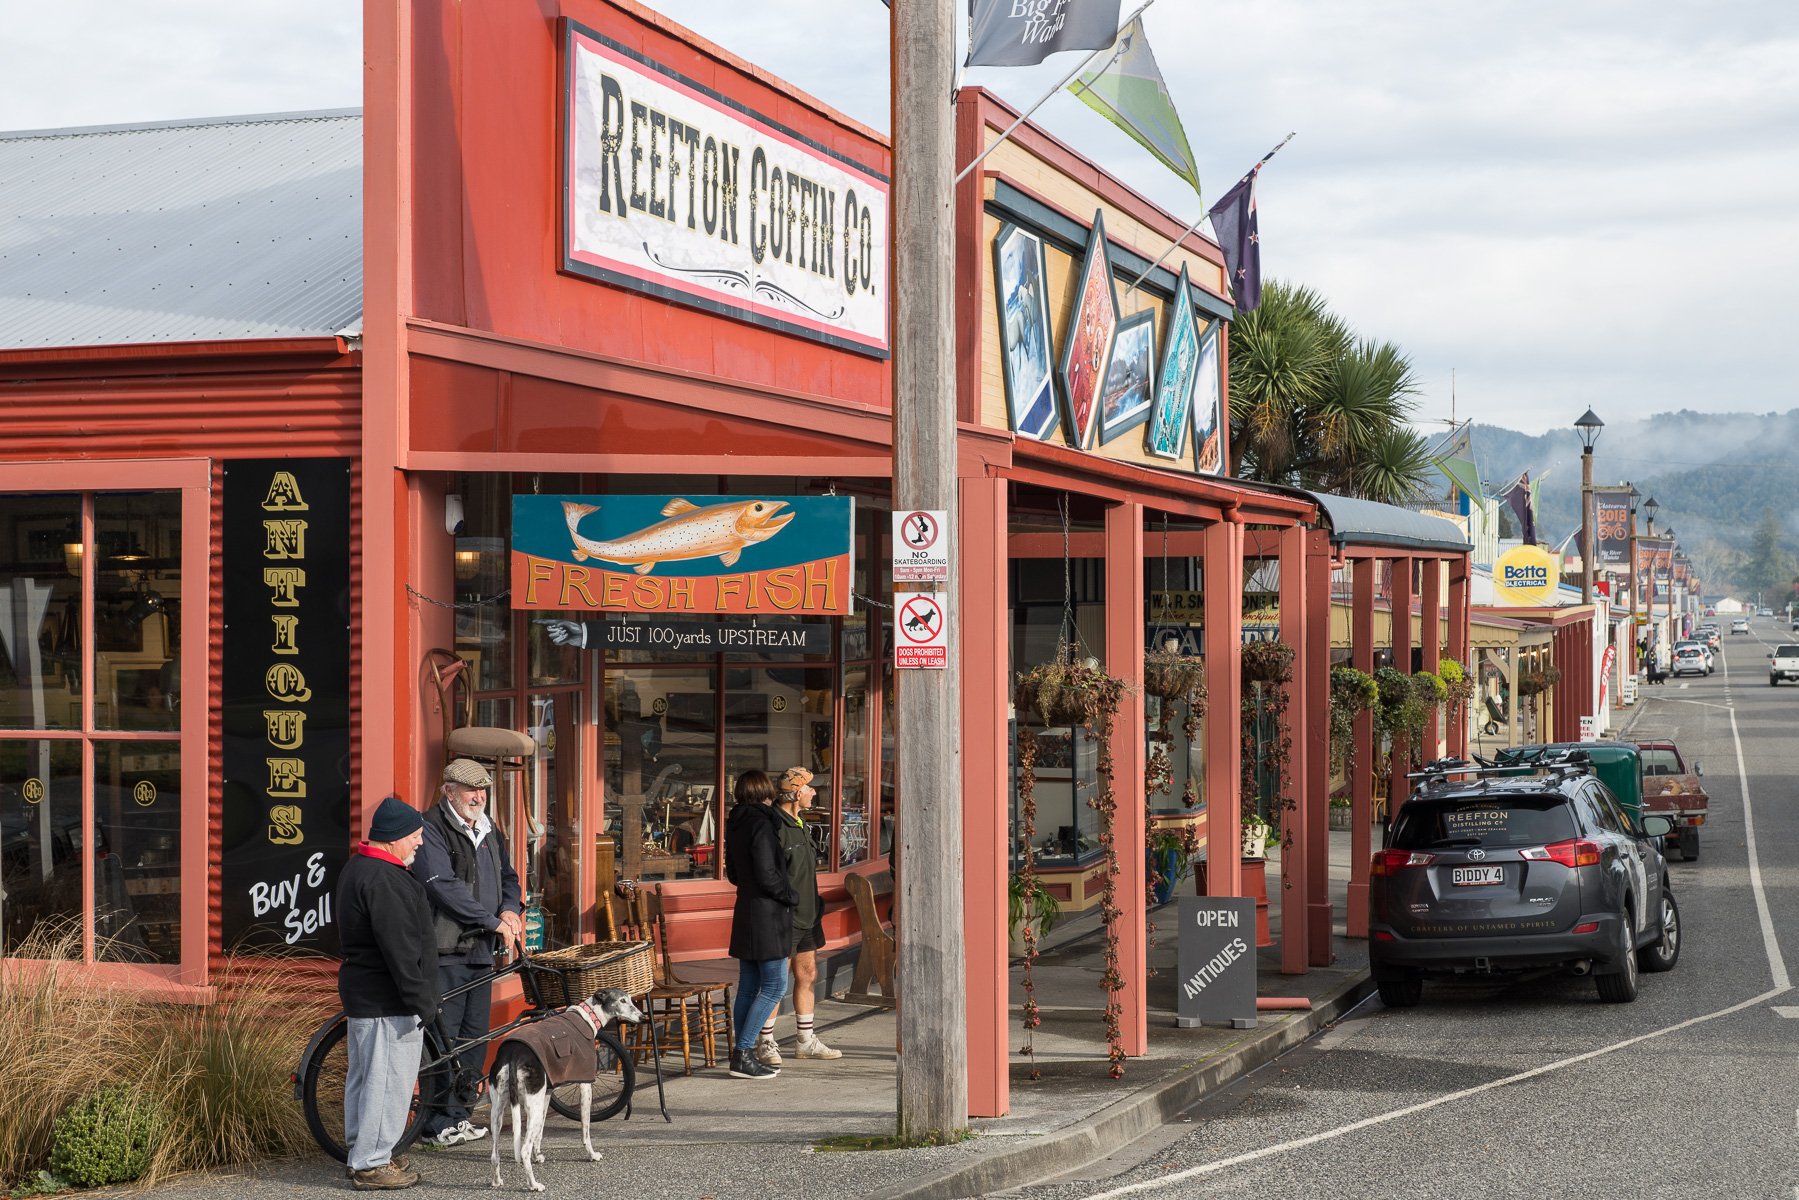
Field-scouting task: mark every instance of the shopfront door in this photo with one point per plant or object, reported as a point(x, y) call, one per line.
point(103, 707)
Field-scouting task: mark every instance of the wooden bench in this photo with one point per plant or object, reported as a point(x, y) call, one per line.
point(874, 965)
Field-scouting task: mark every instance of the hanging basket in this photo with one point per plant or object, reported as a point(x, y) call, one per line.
point(1067, 694)
point(1173, 676)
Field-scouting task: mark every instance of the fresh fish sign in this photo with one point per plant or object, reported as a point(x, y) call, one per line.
point(683, 554)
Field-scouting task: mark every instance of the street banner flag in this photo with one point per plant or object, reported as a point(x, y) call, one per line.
point(1022, 33)
point(1519, 499)
point(1234, 221)
point(1129, 92)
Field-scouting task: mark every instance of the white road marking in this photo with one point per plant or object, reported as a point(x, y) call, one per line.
point(1776, 967)
point(1787, 1010)
point(1237, 1160)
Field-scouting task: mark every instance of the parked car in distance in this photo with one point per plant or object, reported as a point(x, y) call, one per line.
point(1691, 660)
point(1674, 788)
point(1740, 625)
point(1783, 663)
point(1711, 663)
point(1520, 877)
point(1764, 612)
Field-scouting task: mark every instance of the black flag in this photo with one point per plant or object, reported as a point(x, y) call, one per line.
point(1022, 33)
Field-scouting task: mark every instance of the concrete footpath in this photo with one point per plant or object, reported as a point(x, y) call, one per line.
point(736, 1139)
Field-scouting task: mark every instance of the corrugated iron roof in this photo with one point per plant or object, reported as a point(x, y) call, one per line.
point(1358, 522)
point(224, 228)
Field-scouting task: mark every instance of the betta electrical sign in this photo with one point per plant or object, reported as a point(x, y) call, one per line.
point(1526, 577)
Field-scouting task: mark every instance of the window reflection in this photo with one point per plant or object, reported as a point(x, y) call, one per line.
point(660, 755)
point(41, 847)
point(40, 611)
point(137, 852)
point(137, 599)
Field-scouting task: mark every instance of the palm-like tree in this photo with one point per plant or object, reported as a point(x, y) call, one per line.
point(1312, 406)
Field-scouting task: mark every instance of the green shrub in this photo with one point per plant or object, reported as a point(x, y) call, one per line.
point(107, 1136)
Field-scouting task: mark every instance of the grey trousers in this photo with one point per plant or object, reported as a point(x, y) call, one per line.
point(383, 1068)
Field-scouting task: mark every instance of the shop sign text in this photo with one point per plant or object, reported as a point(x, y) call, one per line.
point(674, 189)
point(683, 555)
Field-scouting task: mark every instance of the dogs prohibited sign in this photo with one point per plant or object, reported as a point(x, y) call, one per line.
point(921, 623)
point(920, 547)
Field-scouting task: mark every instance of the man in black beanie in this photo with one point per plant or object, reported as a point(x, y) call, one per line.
point(388, 983)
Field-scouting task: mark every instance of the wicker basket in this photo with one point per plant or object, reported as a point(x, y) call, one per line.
point(579, 971)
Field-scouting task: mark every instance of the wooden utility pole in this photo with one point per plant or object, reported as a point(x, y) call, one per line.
point(933, 1030)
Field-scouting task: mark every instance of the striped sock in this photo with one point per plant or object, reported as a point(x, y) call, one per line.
point(768, 1028)
point(804, 1021)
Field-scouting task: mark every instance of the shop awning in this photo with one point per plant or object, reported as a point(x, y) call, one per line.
point(1356, 522)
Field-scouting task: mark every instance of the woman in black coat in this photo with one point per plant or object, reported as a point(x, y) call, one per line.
point(761, 920)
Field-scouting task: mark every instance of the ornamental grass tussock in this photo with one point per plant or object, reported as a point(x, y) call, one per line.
point(214, 1078)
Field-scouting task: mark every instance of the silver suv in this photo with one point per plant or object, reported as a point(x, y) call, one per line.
point(1520, 877)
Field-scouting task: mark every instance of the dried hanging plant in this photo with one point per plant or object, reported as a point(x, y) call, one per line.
point(1027, 819)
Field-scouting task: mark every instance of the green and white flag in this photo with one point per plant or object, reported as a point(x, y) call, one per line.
point(1129, 91)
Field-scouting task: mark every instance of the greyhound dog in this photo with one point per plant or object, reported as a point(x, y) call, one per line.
point(519, 1083)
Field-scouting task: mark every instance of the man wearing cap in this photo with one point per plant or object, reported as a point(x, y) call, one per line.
point(474, 893)
point(388, 984)
point(794, 792)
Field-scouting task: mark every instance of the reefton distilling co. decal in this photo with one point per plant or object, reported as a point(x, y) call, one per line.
point(674, 189)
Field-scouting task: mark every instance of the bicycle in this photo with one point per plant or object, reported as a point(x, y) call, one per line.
point(324, 1065)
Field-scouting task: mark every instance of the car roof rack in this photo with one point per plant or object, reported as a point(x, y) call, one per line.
point(1560, 762)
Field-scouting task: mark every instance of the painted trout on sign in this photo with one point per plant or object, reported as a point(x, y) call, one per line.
point(691, 532)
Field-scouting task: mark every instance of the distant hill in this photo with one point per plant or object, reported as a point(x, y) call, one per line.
point(1712, 473)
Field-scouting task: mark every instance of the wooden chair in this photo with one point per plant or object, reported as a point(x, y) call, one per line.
point(683, 1012)
point(874, 965)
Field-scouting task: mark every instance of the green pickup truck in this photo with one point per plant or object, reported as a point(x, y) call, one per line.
point(1648, 778)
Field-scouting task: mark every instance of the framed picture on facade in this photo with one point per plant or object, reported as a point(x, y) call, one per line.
point(1020, 280)
point(1125, 401)
point(1171, 414)
point(1087, 345)
point(1208, 406)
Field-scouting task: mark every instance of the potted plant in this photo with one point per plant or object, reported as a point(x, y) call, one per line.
point(1340, 812)
point(1170, 860)
point(1255, 836)
point(1029, 904)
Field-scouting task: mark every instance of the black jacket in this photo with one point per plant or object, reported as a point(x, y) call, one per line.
point(468, 886)
point(389, 944)
point(762, 919)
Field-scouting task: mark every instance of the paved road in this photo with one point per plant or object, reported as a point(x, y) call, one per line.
point(1538, 1090)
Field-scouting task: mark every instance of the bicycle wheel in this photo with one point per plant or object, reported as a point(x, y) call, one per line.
point(613, 1082)
point(322, 1076)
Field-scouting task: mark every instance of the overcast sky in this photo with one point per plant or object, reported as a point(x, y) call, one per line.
point(1589, 202)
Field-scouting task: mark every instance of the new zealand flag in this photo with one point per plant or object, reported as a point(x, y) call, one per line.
point(1234, 221)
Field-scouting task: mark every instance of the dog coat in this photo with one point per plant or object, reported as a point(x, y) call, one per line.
point(563, 1044)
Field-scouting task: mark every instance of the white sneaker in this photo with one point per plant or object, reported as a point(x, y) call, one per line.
point(812, 1047)
point(455, 1135)
point(767, 1053)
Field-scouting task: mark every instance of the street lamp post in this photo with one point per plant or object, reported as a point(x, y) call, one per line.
point(1673, 626)
point(1588, 427)
point(1634, 580)
point(1649, 510)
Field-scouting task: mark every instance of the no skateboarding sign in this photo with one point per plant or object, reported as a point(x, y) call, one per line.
point(921, 629)
point(920, 547)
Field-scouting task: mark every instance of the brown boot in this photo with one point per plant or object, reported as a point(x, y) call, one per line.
point(386, 1177)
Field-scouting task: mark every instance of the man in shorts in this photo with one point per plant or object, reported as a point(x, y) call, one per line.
point(794, 793)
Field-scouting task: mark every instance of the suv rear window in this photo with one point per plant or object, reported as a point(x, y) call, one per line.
point(1787, 651)
point(1492, 821)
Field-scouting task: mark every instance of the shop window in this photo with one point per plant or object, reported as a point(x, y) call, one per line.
point(664, 812)
point(92, 815)
point(853, 830)
point(1067, 755)
point(553, 834)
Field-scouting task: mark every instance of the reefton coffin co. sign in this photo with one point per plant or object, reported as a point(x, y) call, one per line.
point(672, 188)
point(683, 554)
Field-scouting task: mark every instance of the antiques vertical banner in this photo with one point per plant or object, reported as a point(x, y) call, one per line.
point(286, 700)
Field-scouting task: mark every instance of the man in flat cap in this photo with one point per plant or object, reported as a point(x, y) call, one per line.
point(474, 892)
point(388, 984)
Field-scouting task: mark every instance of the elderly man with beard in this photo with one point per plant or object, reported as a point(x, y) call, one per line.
point(467, 870)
